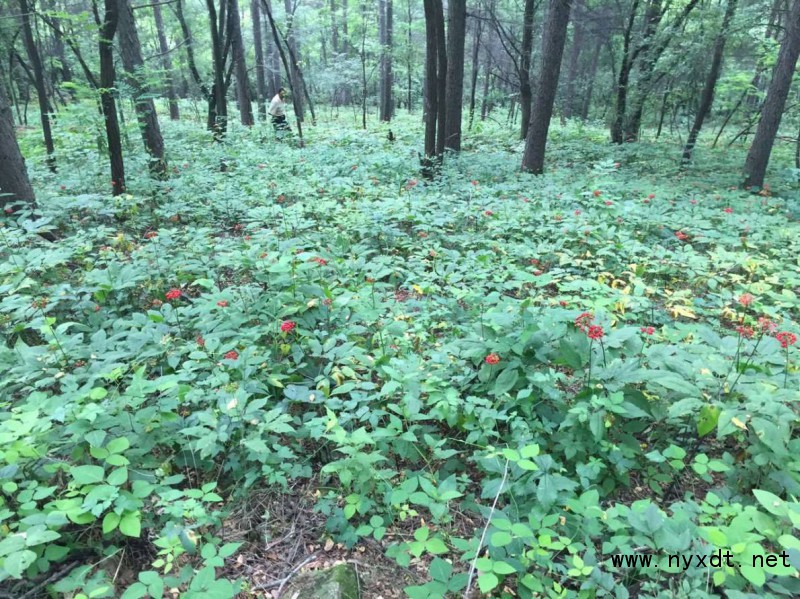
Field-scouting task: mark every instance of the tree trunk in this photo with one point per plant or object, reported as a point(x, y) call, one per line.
point(441, 78)
point(755, 165)
point(525, 92)
point(487, 76)
point(218, 119)
point(38, 80)
point(166, 62)
point(261, 84)
point(132, 61)
point(240, 65)
point(707, 97)
point(107, 101)
point(623, 79)
point(476, 48)
point(334, 28)
point(274, 71)
point(386, 60)
point(587, 98)
point(430, 95)
point(454, 85)
point(294, 53)
point(276, 38)
point(553, 40)
point(408, 58)
point(570, 97)
point(14, 183)
point(59, 51)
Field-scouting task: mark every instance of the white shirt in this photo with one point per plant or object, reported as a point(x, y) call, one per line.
point(276, 107)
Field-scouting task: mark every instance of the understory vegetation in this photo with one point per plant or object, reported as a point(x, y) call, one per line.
point(503, 380)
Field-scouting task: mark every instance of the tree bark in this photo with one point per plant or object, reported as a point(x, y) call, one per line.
point(755, 165)
point(476, 48)
point(441, 78)
point(430, 95)
point(454, 85)
point(707, 98)
point(570, 97)
point(553, 40)
point(166, 63)
point(109, 106)
point(587, 98)
point(132, 62)
point(15, 186)
point(334, 28)
point(386, 104)
point(218, 118)
point(240, 65)
point(408, 59)
point(617, 126)
point(294, 54)
point(261, 84)
point(525, 92)
point(39, 82)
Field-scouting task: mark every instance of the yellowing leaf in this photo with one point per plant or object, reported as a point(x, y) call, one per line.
point(738, 423)
point(682, 311)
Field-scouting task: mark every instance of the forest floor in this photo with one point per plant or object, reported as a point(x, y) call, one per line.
point(285, 358)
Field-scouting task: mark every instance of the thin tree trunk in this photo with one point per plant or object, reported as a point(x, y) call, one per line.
point(106, 46)
point(294, 53)
point(476, 47)
point(276, 38)
point(553, 39)
point(441, 78)
point(587, 99)
point(261, 84)
point(39, 83)
point(58, 49)
point(454, 85)
point(755, 165)
point(525, 92)
point(240, 65)
point(617, 132)
point(386, 61)
point(487, 76)
point(363, 56)
point(570, 97)
point(408, 59)
point(166, 62)
point(707, 97)
point(132, 61)
point(334, 28)
point(430, 96)
point(14, 183)
point(219, 123)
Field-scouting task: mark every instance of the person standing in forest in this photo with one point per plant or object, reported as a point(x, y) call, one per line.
point(277, 110)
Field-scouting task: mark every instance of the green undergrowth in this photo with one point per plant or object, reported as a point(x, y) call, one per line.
point(589, 363)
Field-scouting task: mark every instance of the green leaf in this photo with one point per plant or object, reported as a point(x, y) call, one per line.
point(118, 477)
point(118, 445)
point(436, 546)
point(707, 419)
point(500, 539)
point(503, 568)
point(110, 522)
point(487, 582)
point(87, 475)
point(131, 524)
point(440, 569)
point(505, 381)
point(771, 502)
point(16, 563)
